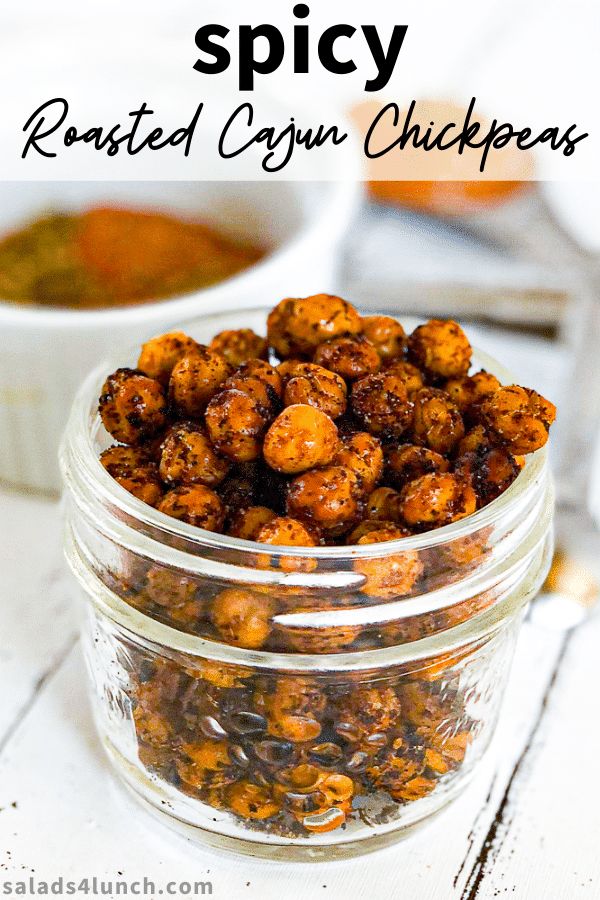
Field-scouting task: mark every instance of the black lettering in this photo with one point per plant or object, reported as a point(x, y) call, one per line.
point(221, 55)
point(248, 64)
point(301, 55)
point(384, 60)
point(37, 135)
point(326, 54)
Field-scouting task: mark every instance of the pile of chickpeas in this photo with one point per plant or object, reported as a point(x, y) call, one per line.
point(334, 429)
point(350, 430)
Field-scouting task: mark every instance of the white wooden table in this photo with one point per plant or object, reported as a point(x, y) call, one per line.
point(528, 826)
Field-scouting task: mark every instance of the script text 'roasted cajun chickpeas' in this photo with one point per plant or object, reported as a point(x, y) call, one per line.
point(331, 430)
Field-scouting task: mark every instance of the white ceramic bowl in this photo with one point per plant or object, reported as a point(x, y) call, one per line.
point(46, 352)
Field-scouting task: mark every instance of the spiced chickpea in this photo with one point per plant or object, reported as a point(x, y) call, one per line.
point(292, 706)
point(386, 334)
point(349, 357)
point(195, 379)
point(160, 355)
point(300, 438)
point(143, 484)
point(440, 348)
point(195, 504)
point(369, 710)
point(242, 617)
point(518, 417)
point(188, 457)
point(367, 526)
point(247, 523)
point(235, 425)
point(380, 402)
point(283, 531)
point(134, 470)
point(251, 801)
point(467, 390)
point(490, 472)
point(239, 345)
point(132, 406)
point(266, 398)
point(296, 327)
point(258, 368)
point(392, 575)
point(120, 460)
point(383, 503)
point(474, 441)
point(328, 498)
point(406, 462)
point(313, 385)
point(437, 499)
point(437, 421)
point(411, 377)
point(332, 639)
point(363, 454)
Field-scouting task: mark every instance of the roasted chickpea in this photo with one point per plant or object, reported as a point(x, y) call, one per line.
point(259, 390)
point(367, 526)
point(363, 454)
point(293, 706)
point(265, 371)
point(188, 457)
point(160, 355)
point(326, 497)
point(283, 531)
point(169, 588)
point(349, 357)
point(332, 639)
point(381, 403)
point(518, 417)
point(474, 441)
point(250, 801)
point(195, 379)
point(468, 390)
point(383, 503)
point(247, 523)
point(296, 327)
point(313, 385)
point(440, 348)
point(120, 460)
point(369, 710)
point(132, 406)
point(386, 334)
point(409, 461)
point(437, 499)
point(300, 438)
point(235, 425)
point(239, 345)
point(392, 575)
point(437, 422)
point(490, 472)
point(133, 469)
point(242, 617)
point(411, 377)
point(143, 484)
point(195, 504)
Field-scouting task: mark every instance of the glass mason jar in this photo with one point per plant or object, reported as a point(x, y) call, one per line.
point(288, 702)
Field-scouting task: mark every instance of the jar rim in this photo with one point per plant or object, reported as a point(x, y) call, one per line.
point(78, 454)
